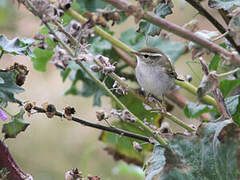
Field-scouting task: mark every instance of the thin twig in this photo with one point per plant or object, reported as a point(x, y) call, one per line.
point(98, 126)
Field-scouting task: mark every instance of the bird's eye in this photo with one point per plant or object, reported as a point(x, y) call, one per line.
point(146, 56)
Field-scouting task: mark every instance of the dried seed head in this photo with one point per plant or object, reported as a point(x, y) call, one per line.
point(118, 88)
point(91, 177)
point(60, 58)
point(65, 4)
point(137, 146)
point(73, 174)
point(68, 112)
point(100, 115)
point(50, 109)
point(95, 68)
point(29, 106)
point(126, 116)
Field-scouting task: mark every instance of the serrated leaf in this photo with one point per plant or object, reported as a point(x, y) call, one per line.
point(137, 41)
point(192, 110)
point(223, 4)
point(42, 56)
point(15, 126)
point(210, 154)
point(9, 87)
point(213, 66)
point(233, 107)
point(16, 46)
point(226, 86)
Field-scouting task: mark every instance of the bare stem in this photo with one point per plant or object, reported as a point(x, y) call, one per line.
point(98, 126)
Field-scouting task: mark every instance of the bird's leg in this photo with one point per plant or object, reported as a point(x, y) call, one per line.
point(163, 108)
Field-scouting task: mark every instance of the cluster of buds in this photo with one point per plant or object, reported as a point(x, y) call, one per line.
point(110, 14)
point(107, 67)
point(118, 88)
point(47, 10)
point(61, 58)
point(82, 32)
point(125, 115)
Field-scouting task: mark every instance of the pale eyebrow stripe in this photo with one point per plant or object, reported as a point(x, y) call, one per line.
point(149, 54)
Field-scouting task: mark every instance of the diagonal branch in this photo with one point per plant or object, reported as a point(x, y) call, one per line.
point(100, 32)
point(98, 126)
point(203, 12)
point(176, 29)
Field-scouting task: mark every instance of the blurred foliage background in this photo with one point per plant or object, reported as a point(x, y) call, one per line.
point(50, 147)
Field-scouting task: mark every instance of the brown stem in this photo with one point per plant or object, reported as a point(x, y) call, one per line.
point(7, 162)
point(98, 126)
point(178, 30)
point(217, 94)
point(203, 12)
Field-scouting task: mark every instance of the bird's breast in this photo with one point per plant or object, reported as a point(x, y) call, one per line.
point(153, 79)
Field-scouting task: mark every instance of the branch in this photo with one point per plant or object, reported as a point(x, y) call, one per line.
point(98, 126)
point(125, 48)
point(214, 21)
point(178, 30)
point(97, 81)
point(216, 91)
point(7, 162)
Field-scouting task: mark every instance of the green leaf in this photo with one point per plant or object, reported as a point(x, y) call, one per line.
point(89, 87)
point(91, 5)
point(137, 41)
point(123, 145)
point(8, 88)
point(212, 153)
point(223, 4)
point(16, 46)
point(126, 169)
point(42, 56)
point(226, 86)
point(192, 110)
point(233, 107)
point(15, 126)
point(213, 66)
point(98, 45)
point(161, 10)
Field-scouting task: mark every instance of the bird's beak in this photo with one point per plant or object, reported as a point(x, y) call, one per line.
point(135, 52)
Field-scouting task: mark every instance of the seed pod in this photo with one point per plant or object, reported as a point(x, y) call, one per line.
point(50, 109)
point(137, 146)
point(100, 115)
point(68, 112)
